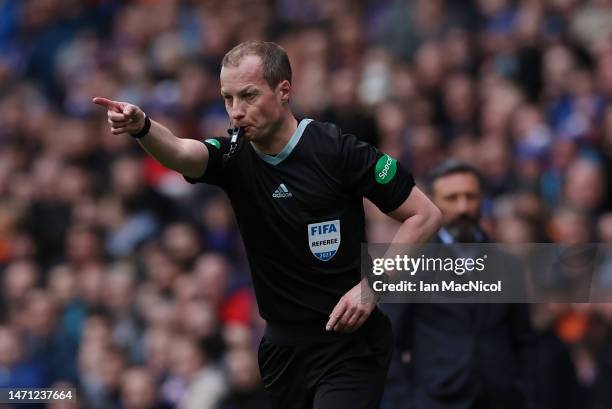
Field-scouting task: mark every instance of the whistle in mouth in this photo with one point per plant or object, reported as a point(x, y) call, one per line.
point(236, 133)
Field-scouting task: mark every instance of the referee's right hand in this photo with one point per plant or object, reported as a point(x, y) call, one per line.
point(123, 117)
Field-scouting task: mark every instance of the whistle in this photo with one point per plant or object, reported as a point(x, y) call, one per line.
point(235, 134)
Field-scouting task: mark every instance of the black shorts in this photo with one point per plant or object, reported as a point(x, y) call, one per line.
point(305, 370)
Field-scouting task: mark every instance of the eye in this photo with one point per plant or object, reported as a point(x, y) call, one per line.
point(249, 96)
point(452, 197)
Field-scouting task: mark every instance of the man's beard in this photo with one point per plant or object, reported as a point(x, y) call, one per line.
point(464, 228)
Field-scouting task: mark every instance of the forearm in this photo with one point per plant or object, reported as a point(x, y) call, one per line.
point(417, 229)
point(164, 146)
point(186, 156)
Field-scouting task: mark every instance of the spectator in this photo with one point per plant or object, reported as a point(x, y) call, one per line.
point(245, 384)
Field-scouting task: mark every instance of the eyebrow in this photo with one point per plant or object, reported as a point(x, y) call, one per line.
point(248, 88)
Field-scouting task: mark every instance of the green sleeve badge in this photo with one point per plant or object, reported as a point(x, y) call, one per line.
point(214, 143)
point(385, 170)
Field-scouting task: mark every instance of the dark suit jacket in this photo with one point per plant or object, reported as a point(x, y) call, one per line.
point(468, 356)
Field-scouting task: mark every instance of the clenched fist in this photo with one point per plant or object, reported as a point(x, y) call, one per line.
point(122, 117)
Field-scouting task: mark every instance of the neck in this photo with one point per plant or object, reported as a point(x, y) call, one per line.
point(278, 138)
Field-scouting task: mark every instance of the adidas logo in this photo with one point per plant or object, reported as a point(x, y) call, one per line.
point(281, 192)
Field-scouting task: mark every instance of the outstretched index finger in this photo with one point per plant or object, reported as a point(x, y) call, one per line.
point(108, 104)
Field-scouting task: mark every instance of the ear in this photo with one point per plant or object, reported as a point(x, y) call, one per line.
point(284, 90)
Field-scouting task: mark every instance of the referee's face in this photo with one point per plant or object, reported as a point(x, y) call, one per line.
point(250, 101)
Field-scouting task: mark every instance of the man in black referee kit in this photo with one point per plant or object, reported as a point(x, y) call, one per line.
point(297, 189)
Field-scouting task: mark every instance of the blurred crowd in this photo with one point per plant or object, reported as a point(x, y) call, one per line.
point(124, 281)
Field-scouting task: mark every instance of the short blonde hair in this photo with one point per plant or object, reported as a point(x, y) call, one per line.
point(274, 60)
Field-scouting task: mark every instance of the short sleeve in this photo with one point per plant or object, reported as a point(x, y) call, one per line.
point(217, 147)
point(373, 174)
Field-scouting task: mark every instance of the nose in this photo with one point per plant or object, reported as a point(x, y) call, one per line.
point(463, 204)
point(236, 111)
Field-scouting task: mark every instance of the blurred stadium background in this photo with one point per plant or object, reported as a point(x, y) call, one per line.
point(121, 279)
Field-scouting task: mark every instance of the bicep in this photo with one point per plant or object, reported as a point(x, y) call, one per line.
point(193, 158)
point(417, 203)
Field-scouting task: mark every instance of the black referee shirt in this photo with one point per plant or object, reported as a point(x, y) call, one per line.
point(301, 214)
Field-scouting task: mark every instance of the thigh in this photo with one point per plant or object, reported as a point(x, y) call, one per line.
point(357, 375)
point(357, 385)
point(282, 376)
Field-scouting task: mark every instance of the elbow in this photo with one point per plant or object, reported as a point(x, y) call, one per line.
point(435, 218)
point(427, 222)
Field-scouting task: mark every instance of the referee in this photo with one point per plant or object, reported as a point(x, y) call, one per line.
point(296, 188)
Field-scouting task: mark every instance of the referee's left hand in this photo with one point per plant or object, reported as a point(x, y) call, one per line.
point(352, 310)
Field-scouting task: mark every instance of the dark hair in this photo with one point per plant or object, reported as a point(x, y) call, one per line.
point(274, 60)
point(452, 167)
